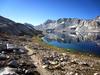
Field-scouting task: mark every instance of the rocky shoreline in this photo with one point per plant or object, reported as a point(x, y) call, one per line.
point(65, 64)
point(34, 58)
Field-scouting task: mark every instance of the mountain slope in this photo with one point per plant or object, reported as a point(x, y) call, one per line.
point(13, 28)
point(71, 24)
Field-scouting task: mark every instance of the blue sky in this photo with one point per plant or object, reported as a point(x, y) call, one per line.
point(38, 11)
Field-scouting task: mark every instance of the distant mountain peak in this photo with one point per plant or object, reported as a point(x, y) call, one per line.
point(49, 21)
point(98, 17)
point(67, 24)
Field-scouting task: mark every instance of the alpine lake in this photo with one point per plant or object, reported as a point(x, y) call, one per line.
point(88, 42)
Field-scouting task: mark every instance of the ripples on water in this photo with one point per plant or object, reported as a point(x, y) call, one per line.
point(82, 42)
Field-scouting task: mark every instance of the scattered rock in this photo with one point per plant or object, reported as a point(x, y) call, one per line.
point(44, 66)
point(53, 62)
point(32, 73)
point(3, 57)
point(13, 64)
point(96, 73)
point(7, 71)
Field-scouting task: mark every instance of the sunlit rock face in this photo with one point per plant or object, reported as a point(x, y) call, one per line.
point(49, 24)
point(13, 28)
point(71, 24)
point(88, 26)
point(97, 18)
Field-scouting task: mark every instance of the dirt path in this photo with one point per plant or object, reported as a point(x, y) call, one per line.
point(36, 60)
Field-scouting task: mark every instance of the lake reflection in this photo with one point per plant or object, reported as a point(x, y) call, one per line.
point(82, 42)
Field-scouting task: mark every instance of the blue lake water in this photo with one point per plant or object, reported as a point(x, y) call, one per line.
point(81, 42)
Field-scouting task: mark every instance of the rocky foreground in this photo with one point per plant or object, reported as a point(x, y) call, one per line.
point(14, 58)
point(26, 56)
point(65, 64)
